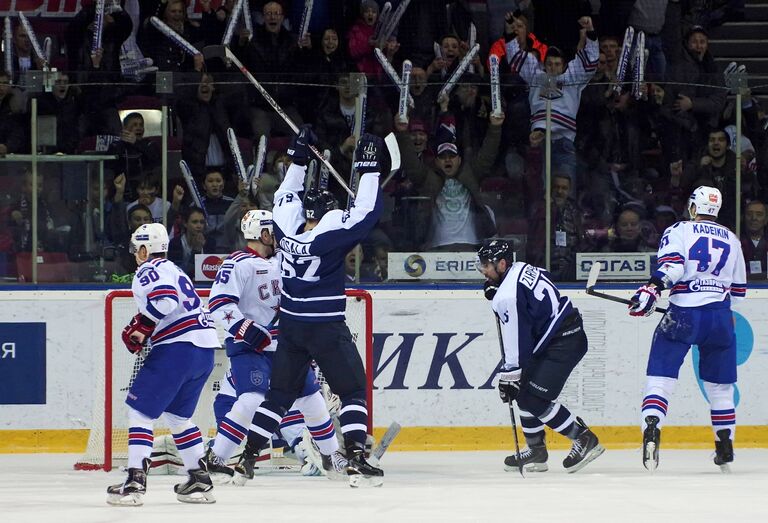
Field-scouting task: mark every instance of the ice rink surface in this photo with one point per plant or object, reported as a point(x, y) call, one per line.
point(419, 486)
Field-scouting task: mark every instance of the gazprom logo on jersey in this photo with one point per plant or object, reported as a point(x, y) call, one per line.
point(616, 265)
point(22, 363)
point(433, 266)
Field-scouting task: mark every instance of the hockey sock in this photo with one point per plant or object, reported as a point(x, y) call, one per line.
point(655, 402)
point(232, 431)
point(722, 407)
point(560, 419)
point(188, 440)
point(319, 422)
point(533, 429)
point(265, 422)
point(140, 438)
point(292, 425)
point(354, 420)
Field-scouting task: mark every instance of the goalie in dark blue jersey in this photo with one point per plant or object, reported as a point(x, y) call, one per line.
point(543, 340)
point(314, 236)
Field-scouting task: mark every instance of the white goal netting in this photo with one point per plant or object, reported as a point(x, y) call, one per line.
point(115, 369)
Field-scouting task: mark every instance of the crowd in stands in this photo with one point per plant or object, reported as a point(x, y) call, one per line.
point(623, 160)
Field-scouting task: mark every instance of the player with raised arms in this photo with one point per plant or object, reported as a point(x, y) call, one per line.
point(173, 322)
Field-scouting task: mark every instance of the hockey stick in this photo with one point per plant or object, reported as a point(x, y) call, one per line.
point(394, 157)
point(386, 440)
point(594, 272)
point(223, 52)
point(511, 407)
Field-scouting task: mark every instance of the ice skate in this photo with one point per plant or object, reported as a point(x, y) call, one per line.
point(335, 466)
point(219, 472)
point(198, 488)
point(131, 492)
point(245, 467)
point(360, 472)
point(651, 440)
point(724, 450)
point(534, 459)
point(585, 448)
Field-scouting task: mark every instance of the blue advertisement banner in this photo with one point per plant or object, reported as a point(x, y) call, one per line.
point(22, 363)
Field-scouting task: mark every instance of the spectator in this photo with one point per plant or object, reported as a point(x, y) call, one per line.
point(369, 271)
point(205, 122)
point(25, 58)
point(664, 216)
point(629, 234)
point(323, 64)
point(147, 194)
point(565, 103)
point(136, 155)
point(421, 26)
point(121, 229)
point(648, 16)
point(272, 54)
point(459, 221)
point(471, 112)
point(166, 55)
point(216, 205)
point(65, 103)
point(697, 80)
point(13, 126)
point(717, 168)
point(566, 233)
point(362, 43)
point(270, 181)
point(753, 240)
point(21, 218)
point(79, 35)
point(609, 46)
point(192, 241)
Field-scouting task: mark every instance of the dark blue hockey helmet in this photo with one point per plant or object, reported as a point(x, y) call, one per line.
point(495, 249)
point(318, 203)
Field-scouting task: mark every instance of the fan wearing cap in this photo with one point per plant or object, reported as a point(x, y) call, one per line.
point(702, 264)
point(458, 220)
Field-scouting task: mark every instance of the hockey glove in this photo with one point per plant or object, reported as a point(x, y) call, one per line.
point(140, 324)
point(644, 301)
point(253, 335)
point(489, 289)
point(369, 154)
point(509, 384)
point(299, 150)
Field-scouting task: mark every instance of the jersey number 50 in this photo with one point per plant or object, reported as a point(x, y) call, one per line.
point(302, 267)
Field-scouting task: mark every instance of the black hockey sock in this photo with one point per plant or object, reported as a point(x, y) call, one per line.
point(354, 420)
point(533, 429)
point(265, 421)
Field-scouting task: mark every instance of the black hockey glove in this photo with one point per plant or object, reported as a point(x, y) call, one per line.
point(489, 289)
point(369, 154)
point(299, 150)
point(509, 384)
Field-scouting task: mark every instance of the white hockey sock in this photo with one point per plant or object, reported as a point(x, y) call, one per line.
point(188, 439)
point(655, 400)
point(722, 407)
point(319, 422)
point(292, 426)
point(232, 429)
point(140, 438)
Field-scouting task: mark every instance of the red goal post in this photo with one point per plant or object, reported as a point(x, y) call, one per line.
point(107, 441)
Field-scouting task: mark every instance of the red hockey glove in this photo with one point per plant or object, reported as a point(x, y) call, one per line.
point(140, 324)
point(643, 302)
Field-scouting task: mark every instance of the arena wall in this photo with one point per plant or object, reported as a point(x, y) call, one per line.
point(436, 351)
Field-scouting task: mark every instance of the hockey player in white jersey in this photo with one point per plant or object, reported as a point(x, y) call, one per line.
point(702, 265)
point(245, 299)
point(172, 322)
point(314, 236)
point(543, 340)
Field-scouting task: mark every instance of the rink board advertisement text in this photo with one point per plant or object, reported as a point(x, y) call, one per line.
point(433, 266)
point(435, 355)
point(22, 363)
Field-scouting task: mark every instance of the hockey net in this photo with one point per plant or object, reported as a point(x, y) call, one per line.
point(115, 368)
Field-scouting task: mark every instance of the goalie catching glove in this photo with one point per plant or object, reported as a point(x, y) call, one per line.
point(252, 334)
point(509, 384)
point(140, 324)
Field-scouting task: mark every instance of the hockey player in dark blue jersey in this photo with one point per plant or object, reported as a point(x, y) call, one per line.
point(314, 236)
point(543, 341)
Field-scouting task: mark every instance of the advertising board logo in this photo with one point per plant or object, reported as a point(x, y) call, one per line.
point(211, 266)
point(415, 265)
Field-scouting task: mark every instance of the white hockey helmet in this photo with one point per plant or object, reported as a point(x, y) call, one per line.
point(707, 201)
point(151, 235)
point(254, 222)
